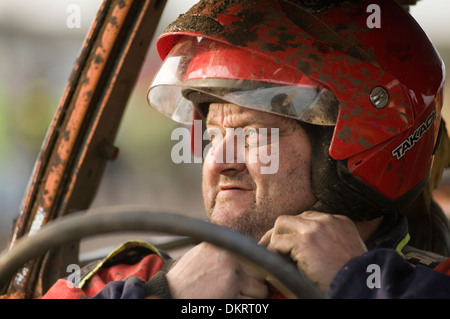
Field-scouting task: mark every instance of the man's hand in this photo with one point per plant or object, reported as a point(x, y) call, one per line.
point(210, 272)
point(319, 243)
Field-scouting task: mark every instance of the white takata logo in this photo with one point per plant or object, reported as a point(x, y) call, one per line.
point(409, 143)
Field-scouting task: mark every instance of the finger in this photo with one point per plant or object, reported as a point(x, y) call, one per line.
point(311, 214)
point(283, 243)
point(253, 271)
point(254, 288)
point(330, 218)
point(265, 239)
point(287, 224)
point(284, 224)
point(286, 245)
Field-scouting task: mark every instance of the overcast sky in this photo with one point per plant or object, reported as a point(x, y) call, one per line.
point(49, 16)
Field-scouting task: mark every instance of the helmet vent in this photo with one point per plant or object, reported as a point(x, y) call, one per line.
point(379, 97)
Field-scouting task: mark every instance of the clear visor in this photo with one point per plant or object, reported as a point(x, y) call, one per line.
point(199, 71)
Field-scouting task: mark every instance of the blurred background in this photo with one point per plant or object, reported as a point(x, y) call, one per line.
point(37, 52)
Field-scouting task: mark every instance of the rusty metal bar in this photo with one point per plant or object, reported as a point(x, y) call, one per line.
point(80, 139)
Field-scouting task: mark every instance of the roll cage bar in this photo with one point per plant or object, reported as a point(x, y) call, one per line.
point(79, 141)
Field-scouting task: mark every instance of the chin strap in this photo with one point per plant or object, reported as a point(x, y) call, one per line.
point(337, 191)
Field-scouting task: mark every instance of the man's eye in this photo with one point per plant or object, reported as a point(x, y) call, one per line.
point(251, 137)
point(213, 134)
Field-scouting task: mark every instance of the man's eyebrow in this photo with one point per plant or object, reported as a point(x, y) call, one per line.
point(244, 122)
point(210, 121)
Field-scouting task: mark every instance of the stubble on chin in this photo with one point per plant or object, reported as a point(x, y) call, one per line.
point(253, 221)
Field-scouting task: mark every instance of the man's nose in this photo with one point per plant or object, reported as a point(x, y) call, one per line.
point(228, 154)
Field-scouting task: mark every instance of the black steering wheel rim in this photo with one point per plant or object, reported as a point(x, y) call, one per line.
point(125, 218)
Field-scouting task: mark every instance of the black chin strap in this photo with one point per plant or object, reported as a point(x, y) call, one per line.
point(337, 191)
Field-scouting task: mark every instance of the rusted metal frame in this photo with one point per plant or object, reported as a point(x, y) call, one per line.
point(46, 151)
point(35, 188)
point(73, 155)
point(98, 147)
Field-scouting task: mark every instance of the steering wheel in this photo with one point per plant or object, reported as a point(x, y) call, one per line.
point(288, 279)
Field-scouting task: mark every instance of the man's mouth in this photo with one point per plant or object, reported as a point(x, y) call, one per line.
point(235, 187)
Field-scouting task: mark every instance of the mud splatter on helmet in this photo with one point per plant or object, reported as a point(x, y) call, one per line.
point(369, 98)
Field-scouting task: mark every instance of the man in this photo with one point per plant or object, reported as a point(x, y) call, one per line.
point(237, 195)
point(352, 127)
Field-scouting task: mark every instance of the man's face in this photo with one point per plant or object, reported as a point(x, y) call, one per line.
point(242, 195)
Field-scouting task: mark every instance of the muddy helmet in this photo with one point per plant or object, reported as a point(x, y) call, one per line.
point(361, 77)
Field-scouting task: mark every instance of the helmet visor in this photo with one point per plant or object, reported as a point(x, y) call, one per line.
point(200, 70)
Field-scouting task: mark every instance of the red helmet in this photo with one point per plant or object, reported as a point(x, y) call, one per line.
point(369, 95)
